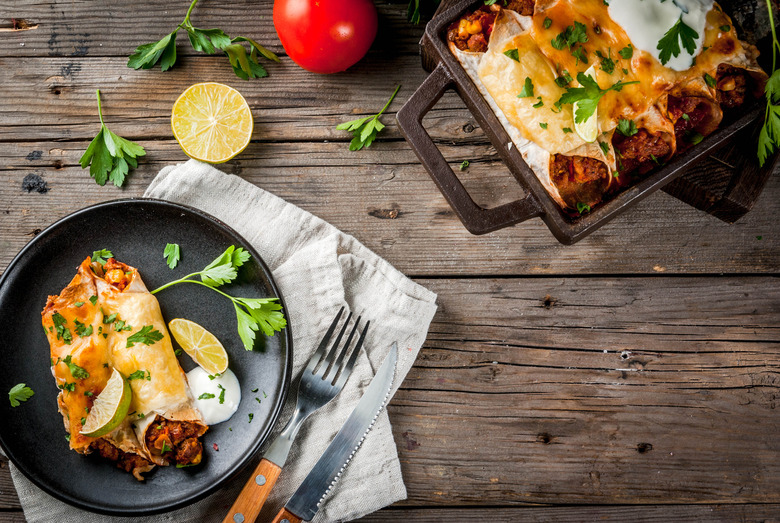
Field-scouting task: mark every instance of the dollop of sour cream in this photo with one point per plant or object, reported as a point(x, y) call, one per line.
point(647, 21)
point(212, 410)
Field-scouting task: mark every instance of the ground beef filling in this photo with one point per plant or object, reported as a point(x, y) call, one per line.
point(472, 32)
point(175, 441)
point(688, 114)
point(732, 86)
point(640, 152)
point(124, 460)
point(579, 179)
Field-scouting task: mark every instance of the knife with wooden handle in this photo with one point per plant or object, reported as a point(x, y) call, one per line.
point(303, 505)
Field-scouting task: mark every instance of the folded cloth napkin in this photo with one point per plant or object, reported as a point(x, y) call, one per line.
point(318, 269)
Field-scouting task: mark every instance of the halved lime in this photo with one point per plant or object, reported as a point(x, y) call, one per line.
point(589, 129)
point(110, 407)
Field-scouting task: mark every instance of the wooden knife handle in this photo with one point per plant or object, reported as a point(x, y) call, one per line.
point(285, 514)
point(254, 493)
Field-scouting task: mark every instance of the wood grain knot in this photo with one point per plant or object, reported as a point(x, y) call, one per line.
point(544, 437)
point(549, 302)
point(385, 214)
point(644, 447)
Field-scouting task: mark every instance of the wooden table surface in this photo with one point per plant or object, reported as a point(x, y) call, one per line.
point(635, 375)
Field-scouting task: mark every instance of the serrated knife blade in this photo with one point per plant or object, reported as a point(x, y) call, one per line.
point(306, 500)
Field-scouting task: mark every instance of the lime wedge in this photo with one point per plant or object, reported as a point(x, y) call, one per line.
point(589, 129)
point(110, 407)
point(200, 344)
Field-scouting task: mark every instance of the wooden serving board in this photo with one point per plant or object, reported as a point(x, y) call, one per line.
point(728, 183)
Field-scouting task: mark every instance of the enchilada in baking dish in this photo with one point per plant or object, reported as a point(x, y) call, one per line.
point(596, 94)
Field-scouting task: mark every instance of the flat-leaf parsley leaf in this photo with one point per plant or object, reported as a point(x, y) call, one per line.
point(364, 130)
point(148, 335)
point(588, 96)
point(172, 254)
point(669, 45)
point(769, 137)
point(110, 157)
point(19, 392)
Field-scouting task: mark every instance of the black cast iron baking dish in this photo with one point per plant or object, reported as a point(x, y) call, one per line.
point(447, 73)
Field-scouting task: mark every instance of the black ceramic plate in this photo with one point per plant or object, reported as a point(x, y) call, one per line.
point(136, 231)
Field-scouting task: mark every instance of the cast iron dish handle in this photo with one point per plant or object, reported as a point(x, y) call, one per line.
point(476, 219)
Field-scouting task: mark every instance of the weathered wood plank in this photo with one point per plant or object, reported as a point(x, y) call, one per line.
point(638, 390)
point(54, 99)
point(754, 513)
point(8, 497)
point(358, 191)
point(12, 517)
point(82, 28)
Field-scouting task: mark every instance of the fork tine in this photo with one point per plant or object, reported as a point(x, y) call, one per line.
point(351, 361)
point(331, 355)
point(336, 367)
point(317, 356)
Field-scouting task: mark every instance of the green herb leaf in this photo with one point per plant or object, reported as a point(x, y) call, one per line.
point(543, 125)
point(251, 416)
point(725, 28)
point(140, 375)
point(607, 63)
point(18, 393)
point(60, 325)
point(172, 254)
point(669, 45)
point(694, 137)
point(588, 96)
point(528, 89)
point(566, 130)
point(769, 137)
point(627, 52)
point(221, 394)
point(513, 54)
point(710, 80)
point(148, 335)
point(464, 164)
point(101, 257)
point(604, 148)
point(206, 396)
point(79, 303)
point(582, 207)
point(627, 127)
point(109, 156)
point(413, 11)
point(565, 79)
point(165, 448)
point(77, 372)
point(547, 22)
point(93, 299)
point(364, 130)
point(82, 329)
point(538, 104)
point(147, 55)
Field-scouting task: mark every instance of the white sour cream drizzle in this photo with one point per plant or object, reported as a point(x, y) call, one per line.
point(647, 21)
point(212, 410)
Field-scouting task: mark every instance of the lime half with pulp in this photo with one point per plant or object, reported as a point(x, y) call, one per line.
point(110, 407)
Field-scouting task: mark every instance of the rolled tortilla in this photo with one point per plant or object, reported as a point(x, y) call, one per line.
point(73, 324)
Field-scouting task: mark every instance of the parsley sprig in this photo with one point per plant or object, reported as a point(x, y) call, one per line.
point(769, 137)
point(19, 392)
point(245, 65)
point(172, 254)
point(365, 129)
point(110, 157)
point(588, 96)
point(252, 314)
point(148, 335)
point(669, 44)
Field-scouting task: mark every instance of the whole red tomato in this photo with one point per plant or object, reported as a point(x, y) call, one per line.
point(325, 36)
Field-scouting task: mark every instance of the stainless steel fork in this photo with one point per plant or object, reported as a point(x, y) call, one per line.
point(323, 378)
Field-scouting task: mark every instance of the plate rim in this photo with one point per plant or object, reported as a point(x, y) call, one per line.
point(259, 442)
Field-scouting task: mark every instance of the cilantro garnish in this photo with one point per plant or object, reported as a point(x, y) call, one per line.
point(710, 80)
point(206, 396)
point(528, 89)
point(513, 54)
point(588, 96)
point(694, 137)
point(579, 54)
point(111, 318)
point(165, 448)
point(221, 394)
point(464, 165)
point(413, 12)
point(725, 28)
point(245, 65)
point(364, 130)
point(547, 22)
point(148, 335)
point(564, 80)
point(566, 130)
point(543, 125)
point(172, 254)
point(110, 157)
point(583, 207)
point(140, 375)
point(250, 417)
point(607, 63)
point(769, 137)
point(93, 300)
point(71, 387)
point(252, 314)
point(79, 303)
point(627, 52)
point(538, 104)
point(77, 372)
point(627, 127)
point(18, 393)
point(669, 45)
point(571, 36)
point(604, 147)
point(100, 257)
point(62, 331)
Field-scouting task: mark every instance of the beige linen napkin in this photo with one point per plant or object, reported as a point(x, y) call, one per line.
point(318, 269)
